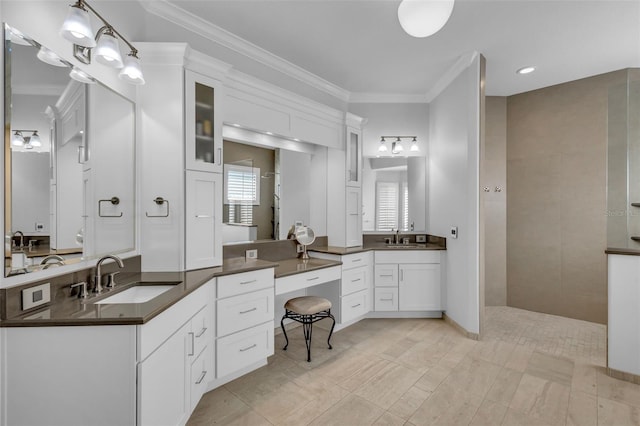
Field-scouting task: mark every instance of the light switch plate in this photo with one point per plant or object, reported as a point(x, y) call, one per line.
point(454, 232)
point(421, 238)
point(251, 254)
point(36, 296)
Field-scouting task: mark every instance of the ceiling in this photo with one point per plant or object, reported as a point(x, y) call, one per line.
point(359, 46)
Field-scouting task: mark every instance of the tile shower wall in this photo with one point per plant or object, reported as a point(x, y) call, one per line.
point(556, 200)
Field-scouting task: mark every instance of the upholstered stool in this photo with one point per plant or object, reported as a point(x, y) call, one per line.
point(307, 310)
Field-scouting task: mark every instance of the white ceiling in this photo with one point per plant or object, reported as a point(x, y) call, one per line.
point(359, 46)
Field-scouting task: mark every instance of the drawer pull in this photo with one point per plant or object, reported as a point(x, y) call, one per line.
point(201, 378)
point(355, 306)
point(247, 282)
point(313, 279)
point(357, 260)
point(250, 347)
point(250, 310)
point(387, 300)
point(356, 280)
point(203, 216)
point(386, 275)
point(193, 344)
point(204, 329)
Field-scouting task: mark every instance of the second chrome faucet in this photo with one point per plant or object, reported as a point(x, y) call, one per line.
point(97, 287)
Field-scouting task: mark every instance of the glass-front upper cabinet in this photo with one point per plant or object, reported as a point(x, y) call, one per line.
point(203, 123)
point(354, 157)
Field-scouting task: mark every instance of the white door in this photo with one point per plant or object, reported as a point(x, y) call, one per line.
point(203, 244)
point(419, 287)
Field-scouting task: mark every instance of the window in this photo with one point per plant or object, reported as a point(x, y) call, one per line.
point(392, 206)
point(241, 192)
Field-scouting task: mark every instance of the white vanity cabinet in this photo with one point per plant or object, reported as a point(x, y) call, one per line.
point(181, 158)
point(407, 281)
point(244, 307)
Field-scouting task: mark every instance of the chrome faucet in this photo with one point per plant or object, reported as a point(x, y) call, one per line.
point(396, 237)
point(56, 257)
point(97, 288)
point(21, 238)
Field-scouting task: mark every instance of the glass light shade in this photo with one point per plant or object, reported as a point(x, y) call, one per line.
point(81, 76)
point(48, 57)
point(17, 37)
point(397, 147)
point(422, 18)
point(414, 147)
point(108, 51)
point(17, 139)
point(382, 147)
point(77, 27)
point(131, 72)
point(35, 140)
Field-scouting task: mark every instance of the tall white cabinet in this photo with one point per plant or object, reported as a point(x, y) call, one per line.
point(181, 158)
point(345, 187)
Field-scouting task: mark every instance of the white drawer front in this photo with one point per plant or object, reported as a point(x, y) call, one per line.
point(201, 330)
point(244, 311)
point(386, 299)
point(353, 280)
point(355, 260)
point(201, 374)
point(244, 348)
point(385, 275)
point(230, 285)
point(307, 279)
point(407, 256)
point(354, 305)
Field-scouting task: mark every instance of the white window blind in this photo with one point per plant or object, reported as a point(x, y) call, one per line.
point(241, 192)
point(387, 203)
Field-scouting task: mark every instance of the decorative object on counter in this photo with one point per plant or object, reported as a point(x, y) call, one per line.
point(77, 29)
point(307, 310)
point(396, 146)
point(422, 18)
point(305, 237)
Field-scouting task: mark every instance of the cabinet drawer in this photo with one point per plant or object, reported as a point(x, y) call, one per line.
point(386, 299)
point(230, 285)
point(354, 305)
point(244, 311)
point(307, 279)
point(244, 348)
point(353, 280)
point(201, 329)
point(385, 275)
point(201, 374)
point(407, 256)
point(355, 260)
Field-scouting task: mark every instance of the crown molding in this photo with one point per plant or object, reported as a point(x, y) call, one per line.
point(197, 25)
point(458, 67)
point(386, 98)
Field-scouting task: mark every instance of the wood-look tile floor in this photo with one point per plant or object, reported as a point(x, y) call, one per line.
point(530, 369)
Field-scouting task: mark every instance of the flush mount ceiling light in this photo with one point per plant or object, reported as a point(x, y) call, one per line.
point(422, 18)
point(526, 70)
point(77, 29)
point(396, 146)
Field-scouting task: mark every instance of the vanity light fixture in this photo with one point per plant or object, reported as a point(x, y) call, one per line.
point(77, 29)
point(526, 70)
point(396, 146)
point(49, 57)
point(422, 18)
point(78, 75)
point(29, 142)
point(17, 37)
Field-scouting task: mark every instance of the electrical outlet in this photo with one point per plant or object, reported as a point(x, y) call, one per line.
point(454, 232)
point(421, 238)
point(251, 254)
point(36, 296)
point(39, 226)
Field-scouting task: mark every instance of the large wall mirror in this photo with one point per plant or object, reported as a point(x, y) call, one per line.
point(394, 194)
point(69, 164)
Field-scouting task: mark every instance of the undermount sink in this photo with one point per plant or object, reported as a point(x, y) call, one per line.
point(402, 245)
point(139, 293)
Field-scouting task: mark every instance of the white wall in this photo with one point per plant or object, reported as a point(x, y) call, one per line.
point(30, 192)
point(454, 192)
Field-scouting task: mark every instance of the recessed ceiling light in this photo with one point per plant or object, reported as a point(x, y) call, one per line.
point(235, 125)
point(296, 139)
point(269, 133)
point(526, 70)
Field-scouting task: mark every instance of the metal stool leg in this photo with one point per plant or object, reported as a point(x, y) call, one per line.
point(284, 332)
point(331, 331)
point(307, 328)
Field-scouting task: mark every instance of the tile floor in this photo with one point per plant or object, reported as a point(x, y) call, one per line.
point(530, 369)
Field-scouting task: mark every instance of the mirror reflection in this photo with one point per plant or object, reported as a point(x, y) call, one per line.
point(71, 168)
point(394, 194)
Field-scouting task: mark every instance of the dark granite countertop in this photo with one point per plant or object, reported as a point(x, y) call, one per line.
point(297, 266)
point(73, 311)
point(623, 251)
point(375, 246)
